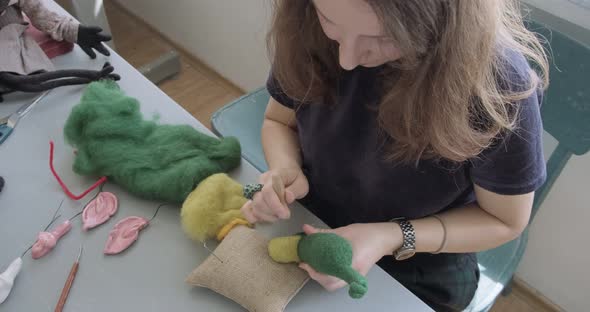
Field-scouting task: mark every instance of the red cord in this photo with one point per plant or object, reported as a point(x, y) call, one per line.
point(63, 185)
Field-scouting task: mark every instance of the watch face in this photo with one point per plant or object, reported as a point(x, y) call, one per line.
point(404, 254)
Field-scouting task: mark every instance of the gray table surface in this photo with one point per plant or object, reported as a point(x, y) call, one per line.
point(150, 275)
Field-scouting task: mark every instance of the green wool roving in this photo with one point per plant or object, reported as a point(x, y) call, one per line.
point(327, 253)
point(152, 161)
point(331, 254)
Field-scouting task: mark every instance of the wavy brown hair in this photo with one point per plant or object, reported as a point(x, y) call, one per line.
point(442, 98)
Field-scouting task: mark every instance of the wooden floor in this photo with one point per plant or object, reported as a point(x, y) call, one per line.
point(201, 91)
point(524, 298)
point(197, 88)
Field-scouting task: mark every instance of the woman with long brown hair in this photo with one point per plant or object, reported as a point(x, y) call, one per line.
point(412, 128)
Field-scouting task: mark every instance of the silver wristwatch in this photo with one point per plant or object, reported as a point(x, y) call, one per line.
point(408, 248)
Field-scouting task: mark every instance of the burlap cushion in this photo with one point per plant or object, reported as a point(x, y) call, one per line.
point(248, 275)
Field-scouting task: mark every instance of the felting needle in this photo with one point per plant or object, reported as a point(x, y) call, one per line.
point(68, 285)
point(279, 188)
point(211, 252)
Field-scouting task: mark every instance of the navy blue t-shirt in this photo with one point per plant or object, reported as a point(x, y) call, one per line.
point(350, 181)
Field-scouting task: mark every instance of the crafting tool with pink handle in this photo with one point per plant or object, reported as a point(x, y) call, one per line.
point(46, 241)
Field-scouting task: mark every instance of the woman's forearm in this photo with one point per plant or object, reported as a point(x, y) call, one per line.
point(281, 145)
point(490, 222)
point(468, 229)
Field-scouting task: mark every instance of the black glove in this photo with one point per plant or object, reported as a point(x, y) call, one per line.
point(107, 73)
point(90, 37)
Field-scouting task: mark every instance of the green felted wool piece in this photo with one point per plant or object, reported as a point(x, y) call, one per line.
point(331, 254)
point(152, 161)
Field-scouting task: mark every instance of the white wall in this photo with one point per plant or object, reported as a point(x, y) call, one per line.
point(89, 12)
point(557, 259)
point(229, 36)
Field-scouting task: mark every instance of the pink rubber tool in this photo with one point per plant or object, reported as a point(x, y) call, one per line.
point(47, 240)
point(7, 278)
point(124, 234)
point(99, 210)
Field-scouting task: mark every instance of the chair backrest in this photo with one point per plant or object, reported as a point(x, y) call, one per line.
point(243, 119)
point(566, 106)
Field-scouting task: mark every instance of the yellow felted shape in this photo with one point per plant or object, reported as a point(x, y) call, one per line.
point(222, 233)
point(284, 249)
point(215, 203)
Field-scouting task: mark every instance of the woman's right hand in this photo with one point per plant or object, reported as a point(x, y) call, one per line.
point(266, 205)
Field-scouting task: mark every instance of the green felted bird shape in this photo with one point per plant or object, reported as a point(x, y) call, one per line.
point(327, 253)
point(150, 160)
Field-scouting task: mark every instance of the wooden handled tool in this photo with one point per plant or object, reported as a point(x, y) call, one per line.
point(68, 285)
point(279, 188)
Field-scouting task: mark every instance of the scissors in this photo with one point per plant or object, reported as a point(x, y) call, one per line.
point(8, 123)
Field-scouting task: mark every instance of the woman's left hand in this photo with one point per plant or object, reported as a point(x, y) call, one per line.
point(370, 242)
